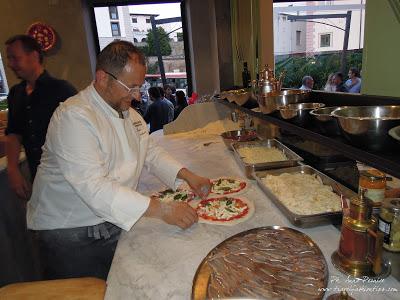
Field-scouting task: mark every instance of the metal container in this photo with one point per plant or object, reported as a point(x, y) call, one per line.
point(270, 102)
point(324, 120)
point(292, 158)
point(243, 135)
point(395, 133)
point(305, 221)
point(368, 126)
point(389, 224)
point(263, 236)
point(240, 96)
point(299, 113)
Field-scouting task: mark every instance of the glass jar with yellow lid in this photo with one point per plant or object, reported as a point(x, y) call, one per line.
point(372, 184)
point(389, 224)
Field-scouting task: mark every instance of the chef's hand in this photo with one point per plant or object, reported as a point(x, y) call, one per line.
point(200, 185)
point(19, 184)
point(174, 213)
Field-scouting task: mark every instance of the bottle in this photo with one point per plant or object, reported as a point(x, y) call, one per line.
point(373, 182)
point(246, 76)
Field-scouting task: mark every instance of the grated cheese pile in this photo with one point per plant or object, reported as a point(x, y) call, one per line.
point(303, 194)
point(257, 154)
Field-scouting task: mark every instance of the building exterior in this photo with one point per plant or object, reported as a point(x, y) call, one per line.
point(121, 22)
point(317, 34)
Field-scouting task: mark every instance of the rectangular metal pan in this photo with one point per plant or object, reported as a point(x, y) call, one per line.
point(248, 169)
point(305, 221)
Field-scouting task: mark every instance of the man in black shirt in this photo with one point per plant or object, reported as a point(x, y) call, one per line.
point(31, 104)
point(158, 112)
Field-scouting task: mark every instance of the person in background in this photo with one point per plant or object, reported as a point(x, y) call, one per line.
point(158, 113)
point(330, 85)
point(339, 83)
point(168, 94)
point(85, 188)
point(170, 105)
point(31, 104)
point(181, 103)
point(307, 83)
point(353, 84)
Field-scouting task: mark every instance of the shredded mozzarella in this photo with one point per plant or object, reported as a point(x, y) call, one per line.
point(303, 194)
point(258, 154)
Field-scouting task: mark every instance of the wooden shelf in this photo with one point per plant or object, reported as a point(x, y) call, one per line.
point(388, 162)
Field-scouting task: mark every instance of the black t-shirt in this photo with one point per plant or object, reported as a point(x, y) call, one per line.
point(29, 115)
point(157, 115)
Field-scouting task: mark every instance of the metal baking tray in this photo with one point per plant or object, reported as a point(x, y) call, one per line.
point(305, 221)
point(203, 274)
point(293, 158)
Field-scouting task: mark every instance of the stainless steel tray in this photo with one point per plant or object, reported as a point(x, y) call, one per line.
point(305, 221)
point(293, 158)
point(203, 274)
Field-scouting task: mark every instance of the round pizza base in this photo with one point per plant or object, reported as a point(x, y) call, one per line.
point(233, 222)
point(214, 195)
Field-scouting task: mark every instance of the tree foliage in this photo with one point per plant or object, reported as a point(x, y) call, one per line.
point(165, 47)
point(317, 66)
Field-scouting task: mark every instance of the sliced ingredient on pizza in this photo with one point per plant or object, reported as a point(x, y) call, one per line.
point(223, 186)
point(170, 195)
point(222, 209)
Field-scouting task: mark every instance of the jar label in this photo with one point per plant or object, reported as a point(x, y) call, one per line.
point(376, 195)
point(385, 227)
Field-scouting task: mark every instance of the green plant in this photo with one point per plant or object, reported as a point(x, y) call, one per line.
point(163, 39)
point(318, 66)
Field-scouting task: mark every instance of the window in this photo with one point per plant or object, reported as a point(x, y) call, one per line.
point(147, 20)
point(134, 20)
point(115, 29)
point(298, 36)
point(325, 40)
point(313, 36)
point(113, 12)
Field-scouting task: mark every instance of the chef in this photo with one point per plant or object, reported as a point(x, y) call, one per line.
point(95, 149)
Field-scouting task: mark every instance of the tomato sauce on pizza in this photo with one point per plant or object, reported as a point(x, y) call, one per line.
point(222, 209)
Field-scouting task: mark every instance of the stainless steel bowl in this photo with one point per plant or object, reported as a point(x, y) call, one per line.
point(243, 135)
point(299, 113)
point(270, 102)
point(325, 121)
point(368, 126)
point(395, 133)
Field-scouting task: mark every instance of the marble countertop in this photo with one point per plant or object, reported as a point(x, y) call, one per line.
point(155, 260)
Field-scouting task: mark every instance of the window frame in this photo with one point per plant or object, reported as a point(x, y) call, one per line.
point(330, 39)
point(112, 30)
point(112, 13)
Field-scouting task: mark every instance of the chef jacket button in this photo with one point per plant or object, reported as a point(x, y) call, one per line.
point(32, 135)
point(30, 121)
point(28, 107)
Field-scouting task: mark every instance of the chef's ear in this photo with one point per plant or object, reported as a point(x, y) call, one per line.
point(101, 78)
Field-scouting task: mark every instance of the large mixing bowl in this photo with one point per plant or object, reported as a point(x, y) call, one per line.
point(325, 121)
point(271, 102)
point(368, 126)
point(242, 135)
point(299, 113)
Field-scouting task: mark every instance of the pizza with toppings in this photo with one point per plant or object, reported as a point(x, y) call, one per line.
point(170, 195)
point(225, 185)
point(224, 210)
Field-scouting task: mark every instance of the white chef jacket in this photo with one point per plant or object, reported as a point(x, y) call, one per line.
point(91, 164)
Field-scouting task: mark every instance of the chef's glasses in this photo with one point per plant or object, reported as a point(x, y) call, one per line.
point(132, 91)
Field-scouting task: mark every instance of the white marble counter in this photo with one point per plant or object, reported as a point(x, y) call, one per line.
point(158, 261)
